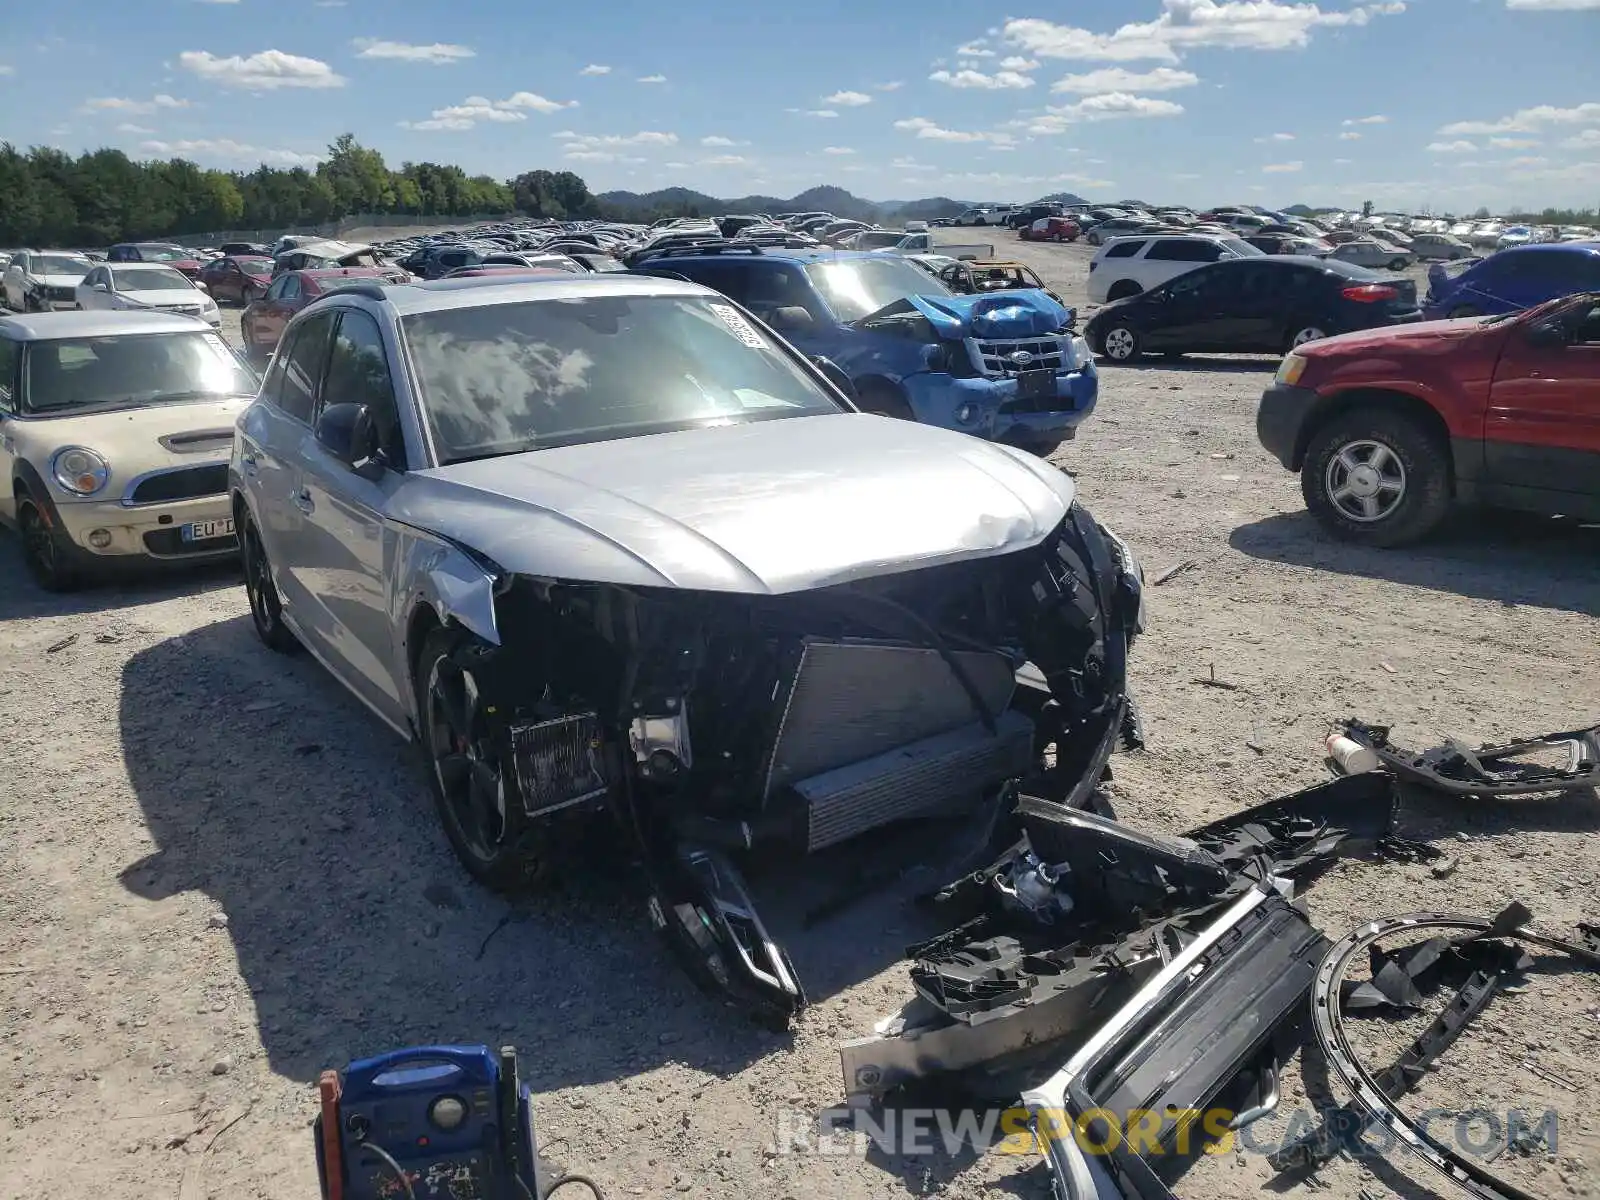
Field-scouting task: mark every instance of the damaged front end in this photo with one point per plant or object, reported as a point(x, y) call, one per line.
point(711, 723)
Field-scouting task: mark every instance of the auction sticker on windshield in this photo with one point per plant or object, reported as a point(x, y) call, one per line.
point(742, 329)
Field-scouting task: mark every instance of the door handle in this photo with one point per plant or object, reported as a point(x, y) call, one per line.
point(302, 500)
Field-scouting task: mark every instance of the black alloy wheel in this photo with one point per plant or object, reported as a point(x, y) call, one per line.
point(49, 562)
point(266, 608)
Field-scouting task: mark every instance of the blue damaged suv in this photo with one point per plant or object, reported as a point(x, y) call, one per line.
point(1004, 366)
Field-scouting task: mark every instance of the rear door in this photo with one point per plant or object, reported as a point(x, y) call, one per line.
point(1167, 258)
point(1200, 314)
point(1543, 426)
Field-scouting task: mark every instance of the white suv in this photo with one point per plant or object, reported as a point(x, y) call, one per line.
point(1126, 266)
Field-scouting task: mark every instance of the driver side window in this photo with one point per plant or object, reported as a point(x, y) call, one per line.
point(358, 373)
point(1586, 328)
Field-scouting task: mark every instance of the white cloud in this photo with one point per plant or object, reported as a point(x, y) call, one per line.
point(975, 49)
point(436, 54)
point(134, 107)
point(1017, 63)
point(645, 137)
point(578, 154)
point(1112, 106)
point(1530, 160)
point(1349, 135)
point(595, 69)
point(910, 164)
point(1120, 79)
point(1587, 140)
point(848, 99)
point(1462, 147)
point(1193, 24)
point(837, 150)
point(262, 72)
point(893, 85)
point(1343, 162)
point(814, 112)
point(474, 109)
point(1275, 137)
point(977, 79)
point(723, 160)
point(228, 152)
point(651, 79)
point(717, 140)
point(1505, 143)
point(130, 127)
point(1285, 168)
point(6, 70)
point(1373, 120)
point(1553, 5)
point(1529, 120)
point(926, 129)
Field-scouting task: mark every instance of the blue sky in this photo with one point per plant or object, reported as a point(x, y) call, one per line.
point(1447, 104)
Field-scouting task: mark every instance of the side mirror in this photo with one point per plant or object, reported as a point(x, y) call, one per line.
point(836, 375)
point(202, 285)
point(1549, 335)
point(345, 431)
point(100, 287)
point(792, 316)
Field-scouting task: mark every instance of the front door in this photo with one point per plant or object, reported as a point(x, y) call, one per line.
point(1543, 426)
point(344, 539)
point(10, 373)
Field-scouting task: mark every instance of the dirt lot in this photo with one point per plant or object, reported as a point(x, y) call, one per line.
point(221, 876)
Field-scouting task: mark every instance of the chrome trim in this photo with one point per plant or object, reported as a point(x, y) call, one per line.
point(127, 500)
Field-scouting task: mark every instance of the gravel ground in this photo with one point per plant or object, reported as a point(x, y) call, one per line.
point(221, 875)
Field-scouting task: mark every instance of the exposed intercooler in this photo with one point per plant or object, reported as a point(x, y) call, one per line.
point(877, 731)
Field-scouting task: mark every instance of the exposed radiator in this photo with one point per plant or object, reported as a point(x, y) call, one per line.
point(923, 776)
point(558, 762)
point(861, 731)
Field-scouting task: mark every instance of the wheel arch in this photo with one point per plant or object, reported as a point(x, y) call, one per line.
point(1418, 409)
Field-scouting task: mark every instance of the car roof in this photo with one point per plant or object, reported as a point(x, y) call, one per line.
point(45, 327)
point(434, 295)
point(805, 257)
point(1589, 248)
point(139, 266)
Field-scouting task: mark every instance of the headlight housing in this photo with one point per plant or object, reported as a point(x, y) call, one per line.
point(1080, 352)
point(79, 471)
point(1290, 369)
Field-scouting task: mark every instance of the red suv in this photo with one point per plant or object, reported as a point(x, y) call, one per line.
point(1389, 427)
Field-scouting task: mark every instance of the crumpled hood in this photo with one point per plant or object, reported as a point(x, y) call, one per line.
point(60, 281)
point(1023, 313)
point(769, 507)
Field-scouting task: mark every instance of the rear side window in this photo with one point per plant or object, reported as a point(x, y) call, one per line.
point(297, 391)
point(1184, 250)
point(1125, 249)
point(1570, 272)
point(719, 277)
point(291, 288)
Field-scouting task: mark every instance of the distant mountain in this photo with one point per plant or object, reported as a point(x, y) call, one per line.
point(1062, 198)
point(682, 202)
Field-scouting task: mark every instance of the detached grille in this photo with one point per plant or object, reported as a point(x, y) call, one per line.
point(1046, 354)
point(59, 293)
point(184, 484)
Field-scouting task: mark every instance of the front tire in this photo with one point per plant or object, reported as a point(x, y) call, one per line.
point(266, 607)
point(1121, 344)
point(51, 560)
point(1306, 333)
point(1377, 477)
point(885, 400)
point(469, 767)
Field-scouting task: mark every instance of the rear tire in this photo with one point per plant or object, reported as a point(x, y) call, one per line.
point(1377, 478)
point(249, 294)
point(1398, 264)
point(266, 607)
point(1299, 335)
point(470, 768)
point(1462, 311)
point(1122, 289)
point(885, 400)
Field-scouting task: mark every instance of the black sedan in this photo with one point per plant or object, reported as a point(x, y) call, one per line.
point(1262, 305)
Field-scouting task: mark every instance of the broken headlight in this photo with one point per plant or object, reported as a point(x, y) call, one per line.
point(1130, 583)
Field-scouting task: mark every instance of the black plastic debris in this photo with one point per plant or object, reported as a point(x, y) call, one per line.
point(1515, 769)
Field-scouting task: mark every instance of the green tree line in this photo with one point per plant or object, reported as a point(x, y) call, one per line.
point(50, 199)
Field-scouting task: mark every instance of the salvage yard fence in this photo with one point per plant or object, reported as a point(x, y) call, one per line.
point(334, 229)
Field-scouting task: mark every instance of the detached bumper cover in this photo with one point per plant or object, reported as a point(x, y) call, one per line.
point(1279, 419)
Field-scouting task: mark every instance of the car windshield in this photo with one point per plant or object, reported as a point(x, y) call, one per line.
point(874, 240)
point(855, 288)
point(100, 374)
point(505, 378)
point(1241, 247)
point(151, 253)
point(255, 266)
point(151, 279)
point(61, 264)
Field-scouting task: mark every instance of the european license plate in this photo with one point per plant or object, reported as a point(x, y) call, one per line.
point(205, 531)
point(1035, 385)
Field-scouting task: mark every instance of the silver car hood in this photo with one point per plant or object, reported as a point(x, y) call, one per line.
point(769, 507)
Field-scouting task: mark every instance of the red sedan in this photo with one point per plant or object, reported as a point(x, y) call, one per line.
point(1050, 229)
point(263, 320)
point(238, 277)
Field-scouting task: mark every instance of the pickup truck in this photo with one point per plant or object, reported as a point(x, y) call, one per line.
point(1389, 428)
